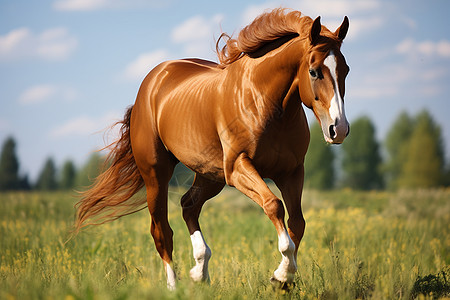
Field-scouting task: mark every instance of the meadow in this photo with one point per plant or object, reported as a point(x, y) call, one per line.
point(357, 245)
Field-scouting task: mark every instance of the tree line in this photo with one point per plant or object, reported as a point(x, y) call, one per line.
point(411, 156)
point(50, 178)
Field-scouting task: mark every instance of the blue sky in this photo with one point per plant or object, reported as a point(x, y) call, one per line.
point(69, 68)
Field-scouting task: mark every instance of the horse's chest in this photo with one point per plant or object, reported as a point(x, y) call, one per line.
point(281, 151)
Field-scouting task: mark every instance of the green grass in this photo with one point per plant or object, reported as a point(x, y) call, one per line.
point(370, 245)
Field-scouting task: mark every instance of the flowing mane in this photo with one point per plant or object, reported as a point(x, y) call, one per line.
point(265, 29)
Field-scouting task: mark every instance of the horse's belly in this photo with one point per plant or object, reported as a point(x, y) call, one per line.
point(193, 140)
point(207, 160)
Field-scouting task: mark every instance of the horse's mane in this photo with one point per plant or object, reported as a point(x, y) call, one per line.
point(266, 28)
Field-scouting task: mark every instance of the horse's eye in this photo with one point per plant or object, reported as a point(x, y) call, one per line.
point(313, 73)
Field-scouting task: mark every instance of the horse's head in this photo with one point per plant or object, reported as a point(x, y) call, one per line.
point(322, 80)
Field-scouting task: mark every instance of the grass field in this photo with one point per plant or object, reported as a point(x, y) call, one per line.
point(370, 245)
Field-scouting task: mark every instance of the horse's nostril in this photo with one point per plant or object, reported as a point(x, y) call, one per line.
point(332, 132)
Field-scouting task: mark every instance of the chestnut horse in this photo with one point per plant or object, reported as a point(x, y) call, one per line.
point(232, 123)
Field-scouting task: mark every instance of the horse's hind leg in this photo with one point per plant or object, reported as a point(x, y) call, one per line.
point(192, 202)
point(160, 229)
point(156, 167)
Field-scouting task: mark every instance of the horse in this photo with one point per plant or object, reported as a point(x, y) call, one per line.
point(233, 123)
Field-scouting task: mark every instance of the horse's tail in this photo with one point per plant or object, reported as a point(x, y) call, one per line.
point(110, 197)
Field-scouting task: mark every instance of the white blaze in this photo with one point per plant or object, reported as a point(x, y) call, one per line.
point(336, 110)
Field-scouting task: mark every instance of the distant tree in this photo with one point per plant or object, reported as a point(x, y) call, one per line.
point(68, 174)
point(24, 184)
point(9, 168)
point(446, 179)
point(396, 143)
point(319, 168)
point(361, 158)
point(423, 165)
point(47, 178)
point(87, 174)
point(424, 118)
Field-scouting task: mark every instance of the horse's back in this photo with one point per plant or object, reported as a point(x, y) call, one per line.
point(171, 82)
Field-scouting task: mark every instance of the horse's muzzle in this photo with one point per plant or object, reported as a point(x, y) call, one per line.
point(338, 132)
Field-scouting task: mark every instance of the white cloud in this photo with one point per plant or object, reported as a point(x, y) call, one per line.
point(385, 81)
point(336, 8)
point(51, 44)
point(197, 35)
point(328, 9)
point(79, 5)
point(433, 74)
point(372, 92)
point(93, 5)
point(405, 46)
point(360, 26)
point(10, 41)
point(331, 11)
point(443, 48)
point(252, 11)
point(55, 44)
point(85, 126)
point(412, 48)
point(408, 77)
point(195, 28)
point(44, 92)
point(37, 94)
point(409, 22)
point(138, 68)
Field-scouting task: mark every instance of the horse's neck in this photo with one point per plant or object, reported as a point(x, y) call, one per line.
point(275, 76)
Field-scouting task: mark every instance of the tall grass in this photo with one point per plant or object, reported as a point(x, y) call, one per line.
point(369, 245)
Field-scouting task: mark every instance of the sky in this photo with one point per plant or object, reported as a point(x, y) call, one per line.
point(70, 68)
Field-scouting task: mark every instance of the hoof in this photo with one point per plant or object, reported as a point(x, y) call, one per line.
point(282, 286)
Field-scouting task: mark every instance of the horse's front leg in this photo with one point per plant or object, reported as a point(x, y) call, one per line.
point(291, 187)
point(245, 178)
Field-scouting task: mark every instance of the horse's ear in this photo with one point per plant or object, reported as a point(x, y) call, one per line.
point(315, 31)
point(341, 32)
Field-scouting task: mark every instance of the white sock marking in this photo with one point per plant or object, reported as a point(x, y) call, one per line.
point(171, 277)
point(202, 254)
point(288, 265)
